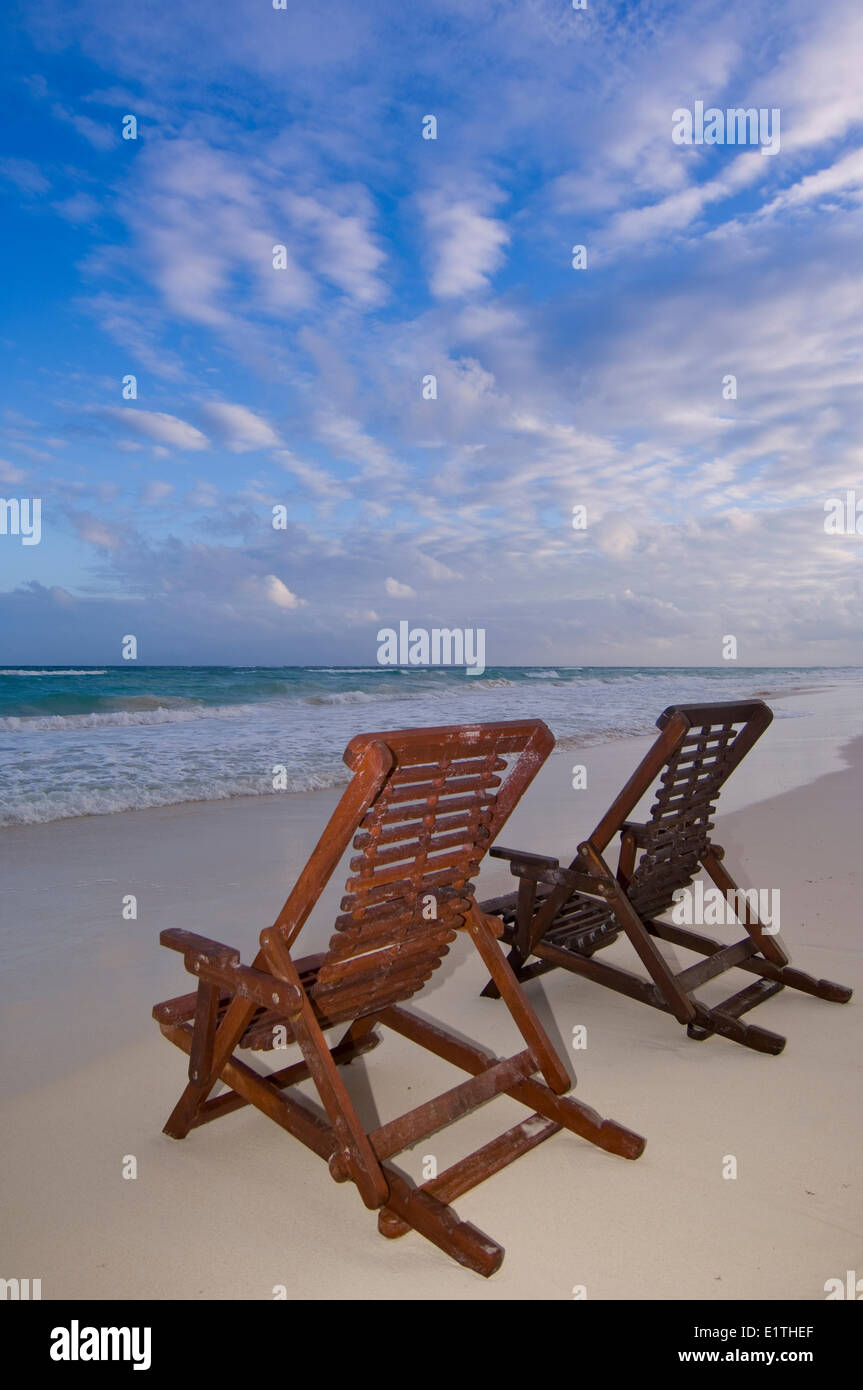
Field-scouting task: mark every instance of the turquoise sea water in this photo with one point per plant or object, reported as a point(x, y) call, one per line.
point(85, 741)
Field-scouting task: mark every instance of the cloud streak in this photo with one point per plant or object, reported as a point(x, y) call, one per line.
point(423, 381)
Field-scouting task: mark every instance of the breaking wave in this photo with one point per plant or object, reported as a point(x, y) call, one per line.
point(87, 741)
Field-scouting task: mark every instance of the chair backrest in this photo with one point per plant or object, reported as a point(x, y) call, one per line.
point(423, 808)
point(698, 749)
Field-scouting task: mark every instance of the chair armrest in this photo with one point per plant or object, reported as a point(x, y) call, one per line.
point(593, 886)
point(220, 966)
point(188, 941)
point(541, 868)
point(522, 863)
point(638, 831)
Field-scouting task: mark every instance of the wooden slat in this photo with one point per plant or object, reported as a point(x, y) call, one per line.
point(371, 996)
point(715, 964)
point(467, 856)
point(389, 815)
point(440, 787)
point(748, 998)
point(376, 963)
point(426, 772)
point(412, 849)
point(398, 912)
point(564, 1110)
point(470, 1171)
point(432, 821)
point(418, 887)
point(436, 1114)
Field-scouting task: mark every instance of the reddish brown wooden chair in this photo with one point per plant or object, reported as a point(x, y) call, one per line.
point(422, 809)
point(563, 916)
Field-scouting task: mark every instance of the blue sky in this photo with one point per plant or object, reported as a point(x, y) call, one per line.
point(406, 257)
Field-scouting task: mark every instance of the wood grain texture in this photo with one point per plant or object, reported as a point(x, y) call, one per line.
point(569, 915)
point(421, 811)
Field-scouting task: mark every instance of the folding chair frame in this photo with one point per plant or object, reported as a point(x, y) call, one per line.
point(530, 915)
point(210, 1024)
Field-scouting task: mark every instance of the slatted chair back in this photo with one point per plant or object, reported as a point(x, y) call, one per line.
point(422, 808)
point(586, 906)
point(695, 754)
point(430, 803)
point(698, 749)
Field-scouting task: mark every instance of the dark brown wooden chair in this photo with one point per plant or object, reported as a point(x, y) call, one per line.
point(563, 916)
point(422, 808)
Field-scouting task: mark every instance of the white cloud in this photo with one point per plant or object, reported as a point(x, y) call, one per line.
point(10, 474)
point(435, 569)
point(347, 439)
point(616, 538)
point(158, 427)
point(204, 495)
point(311, 475)
point(397, 590)
point(97, 133)
point(344, 250)
point(91, 528)
point(467, 246)
point(817, 80)
point(79, 207)
point(742, 522)
point(599, 389)
point(204, 223)
point(279, 594)
point(239, 429)
point(155, 491)
point(359, 617)
point(846, 175)
point(30, 452)
point(26, 175)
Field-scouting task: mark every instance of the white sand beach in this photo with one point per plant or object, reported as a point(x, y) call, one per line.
point(238, 1208)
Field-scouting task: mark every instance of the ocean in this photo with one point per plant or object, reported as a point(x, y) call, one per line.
point(91, 741)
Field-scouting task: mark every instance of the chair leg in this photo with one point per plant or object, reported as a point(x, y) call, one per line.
point(580, 1119)
point(769, 944)
point(564, 1110)
point(547, 1060)
point(359, 1029)
point(210, 1056)
point(515, 960)
point(772, 979)
point(360, 1159)
point(710, 1021)
point(756, 964)
point(439, 1224)
point(520, 949)
point(677, 1001)
point(476, 1167)
point(796, 979)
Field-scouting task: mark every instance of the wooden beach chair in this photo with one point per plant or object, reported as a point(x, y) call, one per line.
point(563, 916)
point(422, 809)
